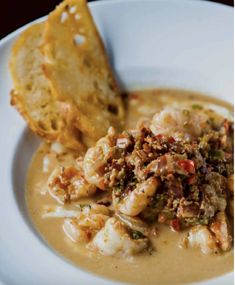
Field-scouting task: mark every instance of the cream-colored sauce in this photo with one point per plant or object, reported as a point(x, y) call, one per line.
point(169, 264)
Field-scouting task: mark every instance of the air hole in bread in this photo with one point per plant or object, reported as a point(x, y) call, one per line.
point(113, 109)
point(42, 125)
point(54, 124)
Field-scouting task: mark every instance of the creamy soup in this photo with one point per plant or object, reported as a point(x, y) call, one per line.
point(168, 264)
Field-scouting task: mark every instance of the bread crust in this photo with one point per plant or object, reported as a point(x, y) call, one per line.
point(32, 95)
point(78, 70)
point(63, 84)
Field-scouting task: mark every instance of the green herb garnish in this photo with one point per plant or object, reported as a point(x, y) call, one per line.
point(216, 154)
point(196, 107)
point(136, 235)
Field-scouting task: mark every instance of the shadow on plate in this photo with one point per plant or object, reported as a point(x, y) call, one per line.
point(25, 150)
point(27, 146)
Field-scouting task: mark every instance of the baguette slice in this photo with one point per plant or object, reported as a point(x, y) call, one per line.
point(32, 94)
point(78, 70)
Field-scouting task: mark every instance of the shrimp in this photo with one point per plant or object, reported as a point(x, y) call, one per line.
point(74, 232)
point(200, 237)
point(58, 212)
point(134, 223)
point(96, 157)
point(114, 240)
point(67, 184)
point(85, 225)
point(221, 229)
point(179, 123)
point(136, 201)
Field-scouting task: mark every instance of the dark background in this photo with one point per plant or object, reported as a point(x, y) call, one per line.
point(16, 13)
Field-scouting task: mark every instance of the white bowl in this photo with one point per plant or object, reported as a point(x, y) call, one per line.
point(185, 44)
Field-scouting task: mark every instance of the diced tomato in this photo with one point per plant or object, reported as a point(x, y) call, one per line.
point(187, 165)
point(175, 225)
point(171, 140)
point(159, 136)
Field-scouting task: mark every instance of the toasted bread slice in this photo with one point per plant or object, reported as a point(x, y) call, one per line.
point(78, 69)
point(32, 94)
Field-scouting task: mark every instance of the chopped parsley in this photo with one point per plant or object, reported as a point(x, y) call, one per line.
point(196, 107)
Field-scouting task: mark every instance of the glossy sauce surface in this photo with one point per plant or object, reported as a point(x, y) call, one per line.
point(169, 264)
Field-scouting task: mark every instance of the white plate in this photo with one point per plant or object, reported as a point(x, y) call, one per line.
point(186, 44)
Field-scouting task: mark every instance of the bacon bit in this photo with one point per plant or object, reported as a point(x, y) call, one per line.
point(162, 161)
point(116, 165)
point(141, 154)
point(176, 188)
point(146, 148)
point(122, 142)
point(175, 225)
point(187, 165)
